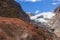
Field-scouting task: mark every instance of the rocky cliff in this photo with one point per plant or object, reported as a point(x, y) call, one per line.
point(16, 29)
point(12, 9)
point(55, 22)
point(53, 25)
point(14, 24)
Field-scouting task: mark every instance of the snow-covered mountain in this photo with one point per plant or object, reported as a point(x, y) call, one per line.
point(49, 21)
point(43, 17)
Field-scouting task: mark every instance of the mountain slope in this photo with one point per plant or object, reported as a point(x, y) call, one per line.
point(12, 9)
point(55, 22)
point(14, 24)
point(42, 17)
point(16, 29)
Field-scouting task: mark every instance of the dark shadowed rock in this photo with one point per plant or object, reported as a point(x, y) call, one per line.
point(12, 9)
point(16, 29)
point(57, 10)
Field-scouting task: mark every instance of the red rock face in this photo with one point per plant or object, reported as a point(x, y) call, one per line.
point(12, 9)
point(16, 29)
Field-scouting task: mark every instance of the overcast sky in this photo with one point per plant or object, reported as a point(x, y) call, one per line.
point(37, 6)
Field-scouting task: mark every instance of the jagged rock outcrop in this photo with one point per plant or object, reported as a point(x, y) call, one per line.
point(53, 25)
point(55, 22)
point(12, 9)
point(16, 29)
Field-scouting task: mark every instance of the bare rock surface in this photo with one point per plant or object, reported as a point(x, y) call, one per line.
point(16, 29)
point(12, 9)
point(55, 22)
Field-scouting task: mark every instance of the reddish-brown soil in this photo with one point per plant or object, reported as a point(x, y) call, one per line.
point(16, 29)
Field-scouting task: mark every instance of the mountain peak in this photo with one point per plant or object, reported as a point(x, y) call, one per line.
point(43, 17)
point(12, 9)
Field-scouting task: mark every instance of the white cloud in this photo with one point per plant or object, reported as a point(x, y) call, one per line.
point(30, 0)
point(37, 11)
point(34, 0)
point(54, 3)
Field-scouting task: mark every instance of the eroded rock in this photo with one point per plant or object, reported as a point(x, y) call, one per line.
point(16, 29)
point(12, 9)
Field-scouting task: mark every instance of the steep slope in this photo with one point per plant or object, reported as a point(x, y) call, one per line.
point(43, 17)
point(42, 20)
point(12, 9)
point(48, 21)
point(55, 22)
point(16, 29)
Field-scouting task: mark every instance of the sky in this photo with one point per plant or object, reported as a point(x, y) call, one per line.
point(38, 6)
